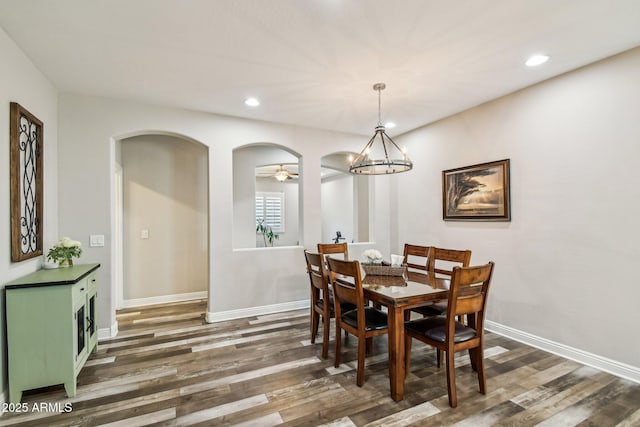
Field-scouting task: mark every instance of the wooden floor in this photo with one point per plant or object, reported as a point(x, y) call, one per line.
point(167, 367)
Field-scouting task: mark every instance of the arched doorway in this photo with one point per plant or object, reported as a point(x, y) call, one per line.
point(161, 218)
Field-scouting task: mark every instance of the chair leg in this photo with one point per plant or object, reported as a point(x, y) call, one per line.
point(369, 345)
point(325, 336)
point(482, 381)
point(438, 357)
point(336, 362)
point(451, 380)
point(407, 354)
point(472, 358)
point(315, 320)
point(361, 352)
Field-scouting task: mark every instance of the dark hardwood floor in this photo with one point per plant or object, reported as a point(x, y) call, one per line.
point(167, 367)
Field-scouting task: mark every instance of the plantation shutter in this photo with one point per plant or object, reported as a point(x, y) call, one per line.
point(270, 207)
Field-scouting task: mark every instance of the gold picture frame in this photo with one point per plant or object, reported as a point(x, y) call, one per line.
point(477, 192)
point(26, 170)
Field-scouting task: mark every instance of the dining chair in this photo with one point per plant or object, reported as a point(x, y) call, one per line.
point(449, 335)
point(364, 322)
point(414, 254)
point(438, 261)
point(326, 249)
point(320, 305)
point(416, 258)
point(321, 300)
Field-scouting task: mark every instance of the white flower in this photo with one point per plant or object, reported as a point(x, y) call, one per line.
point(372, 255)
point(69, 243)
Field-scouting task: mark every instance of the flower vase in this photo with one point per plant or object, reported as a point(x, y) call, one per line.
point(66, 262)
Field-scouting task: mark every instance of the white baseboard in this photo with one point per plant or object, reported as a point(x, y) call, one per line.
point(137, 302)
point(106, 333)
point(256, 311)
point(611, 366)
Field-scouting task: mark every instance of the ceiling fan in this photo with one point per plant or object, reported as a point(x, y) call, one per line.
point(280, 173)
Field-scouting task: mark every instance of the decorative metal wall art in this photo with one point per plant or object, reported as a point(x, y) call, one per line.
point(26, 139)
point(477, 193)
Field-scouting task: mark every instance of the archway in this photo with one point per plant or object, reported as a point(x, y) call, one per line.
point(350, 192)
point(266, 196)
point(161, 222)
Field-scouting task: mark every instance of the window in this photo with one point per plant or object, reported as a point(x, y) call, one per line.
point(270, 208)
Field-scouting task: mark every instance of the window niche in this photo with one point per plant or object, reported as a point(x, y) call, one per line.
point(351, 193)
point(261, 199)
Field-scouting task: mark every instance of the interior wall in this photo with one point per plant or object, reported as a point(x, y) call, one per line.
point(22, 82)
point(88, 129)
point(337, 194)
point(565, 264)
point(165, 194)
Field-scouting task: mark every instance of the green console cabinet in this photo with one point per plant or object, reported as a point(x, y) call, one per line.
point(51, 327)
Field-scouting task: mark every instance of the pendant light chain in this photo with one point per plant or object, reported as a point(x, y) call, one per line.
point(379, 104)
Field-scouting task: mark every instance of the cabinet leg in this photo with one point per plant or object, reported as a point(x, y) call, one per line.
point(70, 388)
point(15, 395)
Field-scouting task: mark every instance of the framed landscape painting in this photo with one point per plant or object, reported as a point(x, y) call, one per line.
point(477, 193)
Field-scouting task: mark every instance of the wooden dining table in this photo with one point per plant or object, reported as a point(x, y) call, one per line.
point(399, 294)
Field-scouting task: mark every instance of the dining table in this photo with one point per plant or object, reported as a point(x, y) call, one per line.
point(398, 294)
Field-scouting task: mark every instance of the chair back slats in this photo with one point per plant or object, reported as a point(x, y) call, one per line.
point(315, 269)
point(334, 248)
point(469, 304)
point(468, 293)
point(450, 256)
point(414, 254)
point(346, 281)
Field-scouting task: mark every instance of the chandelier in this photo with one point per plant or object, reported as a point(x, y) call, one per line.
point(382, 158)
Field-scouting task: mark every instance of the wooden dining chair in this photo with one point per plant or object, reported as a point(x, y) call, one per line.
point(321, 300)
point(416, 257)
point(326, 249)
point(364, 322)
point(447, 334)
point(440, 262)
point(448, 256)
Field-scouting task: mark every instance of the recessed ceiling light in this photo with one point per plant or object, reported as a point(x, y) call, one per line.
point(251, 102)
point(390, 125)
point(536, 60)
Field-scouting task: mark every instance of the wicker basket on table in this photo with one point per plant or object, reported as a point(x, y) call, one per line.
point(384, 270)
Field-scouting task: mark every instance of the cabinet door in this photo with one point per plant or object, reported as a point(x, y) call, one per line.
point(79, 329)
point(92, 330)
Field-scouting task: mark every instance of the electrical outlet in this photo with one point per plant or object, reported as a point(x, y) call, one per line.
point(144, 233)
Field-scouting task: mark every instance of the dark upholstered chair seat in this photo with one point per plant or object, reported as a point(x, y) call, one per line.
point(345, 306)
point(432, 309)
point(434, 328)
point(375, 320)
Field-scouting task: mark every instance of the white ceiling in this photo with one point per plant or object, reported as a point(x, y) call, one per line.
point(313, 62)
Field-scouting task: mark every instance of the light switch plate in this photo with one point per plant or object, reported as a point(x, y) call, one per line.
point(96, 240)
point(144, 233)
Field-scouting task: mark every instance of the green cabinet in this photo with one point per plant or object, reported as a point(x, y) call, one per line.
point(51, 327)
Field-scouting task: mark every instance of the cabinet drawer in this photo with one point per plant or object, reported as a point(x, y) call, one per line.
point(79, 292)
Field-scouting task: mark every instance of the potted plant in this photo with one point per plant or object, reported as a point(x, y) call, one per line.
point(267, 233)
point(64, 251)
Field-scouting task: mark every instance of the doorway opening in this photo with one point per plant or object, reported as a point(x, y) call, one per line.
point(161, 220)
